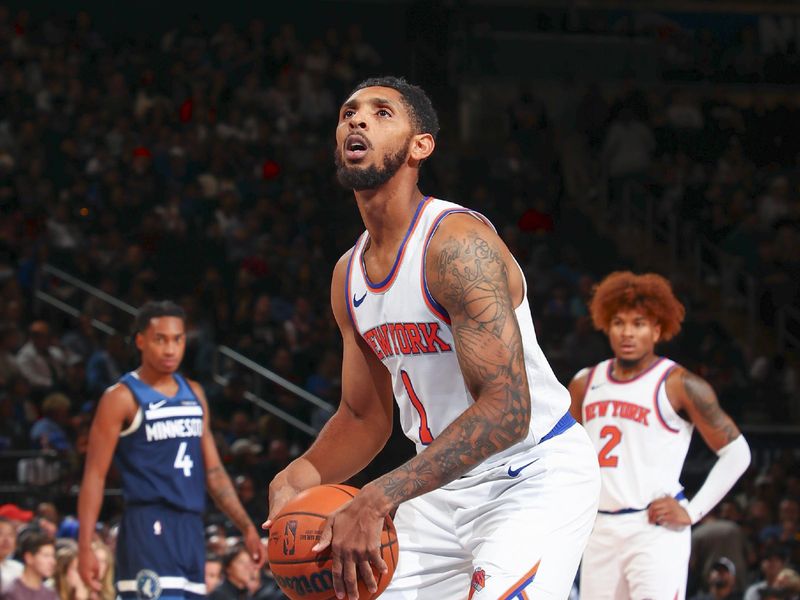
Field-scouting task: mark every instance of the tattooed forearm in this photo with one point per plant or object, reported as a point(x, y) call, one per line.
point(705, 401)
point(221, 491)
point(470, 279)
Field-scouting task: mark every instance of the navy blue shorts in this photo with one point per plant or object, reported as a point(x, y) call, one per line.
point(160, 554)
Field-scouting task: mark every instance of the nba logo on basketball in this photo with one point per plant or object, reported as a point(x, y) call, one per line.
point(289, 537)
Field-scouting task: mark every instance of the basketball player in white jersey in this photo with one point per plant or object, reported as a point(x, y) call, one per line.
point(640, 410)
point(499, 501)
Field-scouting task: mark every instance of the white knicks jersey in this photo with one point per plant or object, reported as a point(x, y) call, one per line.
point(641, 441)
point(410, 334)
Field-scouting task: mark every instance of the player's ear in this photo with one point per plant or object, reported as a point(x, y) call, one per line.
point(422, 146)
point(139, 341)
point(656, 332)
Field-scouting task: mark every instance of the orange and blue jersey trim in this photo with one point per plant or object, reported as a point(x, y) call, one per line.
point(660, 416)
point(347, 297)
point(437, 309)
point(517, 591)
point(384, 285)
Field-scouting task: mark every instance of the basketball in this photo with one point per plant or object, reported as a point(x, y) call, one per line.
point(303, 574)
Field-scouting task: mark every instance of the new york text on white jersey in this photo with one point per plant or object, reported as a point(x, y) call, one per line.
point(640, 440)
point(410, 334)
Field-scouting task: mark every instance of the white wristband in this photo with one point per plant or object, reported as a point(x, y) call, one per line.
point(732, 461)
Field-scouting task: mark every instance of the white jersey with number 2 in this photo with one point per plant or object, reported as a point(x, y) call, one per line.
point(641, 441)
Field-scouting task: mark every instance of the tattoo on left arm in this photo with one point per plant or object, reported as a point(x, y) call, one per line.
point(702, 396)
point(471, 281)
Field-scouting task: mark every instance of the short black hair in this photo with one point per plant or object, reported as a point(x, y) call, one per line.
point(32, 540)
point(416, 101)
point(154, 309)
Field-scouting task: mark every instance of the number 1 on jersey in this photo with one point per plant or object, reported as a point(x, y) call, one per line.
point(425, 435)
point(183, 461)
point(616, 436)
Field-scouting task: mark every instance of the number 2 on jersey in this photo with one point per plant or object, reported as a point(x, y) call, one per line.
point(616, 437)
point(425, 435)
point(183, 461)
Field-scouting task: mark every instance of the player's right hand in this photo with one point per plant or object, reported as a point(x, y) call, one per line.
point(89, 569)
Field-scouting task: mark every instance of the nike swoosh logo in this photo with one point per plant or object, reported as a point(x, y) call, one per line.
point(516, 472)
point(357, 301)
point(597, 385)
point(157, 405)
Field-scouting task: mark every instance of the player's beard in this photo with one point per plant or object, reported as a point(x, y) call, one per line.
point(630, 364)
point(369, 178)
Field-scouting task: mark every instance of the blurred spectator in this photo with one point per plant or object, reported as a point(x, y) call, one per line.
point(788, 582)
point(9, 344)
point(628, 147)
point(106, 365)
point(49, 432)
point(39, 557)
point(254, 505)
point(68, 584)
point(41, 362)
point(10, 569)
point(786, 529)
point(238, 568)
point(213, 573)
point(715, 537)
point(105, 569)
point(721, 582)
point(82, 340)
point(774, 561)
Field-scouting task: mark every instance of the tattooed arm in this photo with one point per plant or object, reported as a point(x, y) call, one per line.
point(693, 396)
point(471, 274)
point(221, 489)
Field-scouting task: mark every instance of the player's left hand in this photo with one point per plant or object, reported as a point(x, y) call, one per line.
point(668, 512)
point(355, 547)
point(252, 542)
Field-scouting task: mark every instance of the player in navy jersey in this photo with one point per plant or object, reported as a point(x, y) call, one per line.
point(154, 423)
point(499, 501)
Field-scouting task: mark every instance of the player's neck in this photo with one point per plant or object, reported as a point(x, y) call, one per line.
point(387, 211)
point(153, 378)
point(628, 369)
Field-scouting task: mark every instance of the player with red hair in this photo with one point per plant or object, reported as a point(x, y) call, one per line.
point(640, 410)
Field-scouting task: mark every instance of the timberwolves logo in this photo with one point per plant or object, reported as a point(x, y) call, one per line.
point(148, 586)
point(289, 538)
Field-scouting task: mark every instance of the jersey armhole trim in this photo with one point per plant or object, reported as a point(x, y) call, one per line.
point(437, 309)
point(137, 421)
point(347, 301)
point(662, 381)
point(137, 418)
point(588, 384)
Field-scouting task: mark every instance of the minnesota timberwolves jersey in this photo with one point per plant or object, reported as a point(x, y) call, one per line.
point(159, 456)
point(410, 334)
point(641, 441)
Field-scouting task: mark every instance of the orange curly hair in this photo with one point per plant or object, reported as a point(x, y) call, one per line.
point(650, 293)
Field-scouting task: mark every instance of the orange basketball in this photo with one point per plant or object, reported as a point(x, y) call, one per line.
point(306, 575)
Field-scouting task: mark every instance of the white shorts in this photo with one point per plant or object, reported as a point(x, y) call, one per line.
point(628, 558)
point(491, 536)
